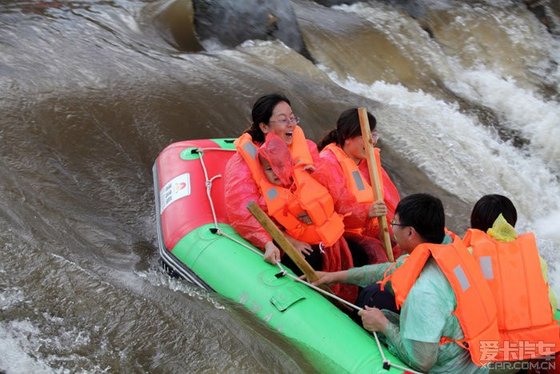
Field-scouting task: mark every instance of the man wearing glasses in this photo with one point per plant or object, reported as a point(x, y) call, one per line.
point(427, 285)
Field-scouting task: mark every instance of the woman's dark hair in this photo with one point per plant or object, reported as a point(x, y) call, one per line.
point(347, 127)
point(425, 213)
point(488, 208)
point(261, 113)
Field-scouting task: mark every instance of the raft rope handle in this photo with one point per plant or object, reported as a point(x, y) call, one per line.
point(386, 363)
point(208, 182)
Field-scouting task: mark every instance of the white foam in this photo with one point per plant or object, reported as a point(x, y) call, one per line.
point(212, 44)
point(521, 109)
point(458, 153)
point(469, 160)
point(10, 297)
point(548, 227)
point(17, 347)
point(535, 61)
point(160, 279)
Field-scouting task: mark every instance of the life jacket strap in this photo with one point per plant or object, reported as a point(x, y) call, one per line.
point(386, 278)
point(460, 342)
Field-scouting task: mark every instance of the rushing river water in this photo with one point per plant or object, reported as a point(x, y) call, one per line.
point(466, 94)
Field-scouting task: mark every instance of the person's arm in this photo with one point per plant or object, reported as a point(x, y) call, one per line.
point(362, 276)
point(330, 277)
point(421, 356)
point(551, 295)
point(302, 247)
point(368, 274)
point(240, 189)
point(418, 355)
point(271, 253)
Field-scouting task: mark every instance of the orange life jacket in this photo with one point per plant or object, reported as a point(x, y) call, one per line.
point(513, 272)
point(355, 182)
point(476, 310)
point(309, 196)
point(299, 149)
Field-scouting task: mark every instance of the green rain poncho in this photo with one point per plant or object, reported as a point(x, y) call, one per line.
point(426, 316)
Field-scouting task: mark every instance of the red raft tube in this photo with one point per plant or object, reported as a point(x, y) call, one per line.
point(196, 242)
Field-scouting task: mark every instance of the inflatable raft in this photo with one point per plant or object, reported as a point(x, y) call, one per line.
point(195, 242)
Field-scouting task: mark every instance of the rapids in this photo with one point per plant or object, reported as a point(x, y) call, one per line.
point(467, 100)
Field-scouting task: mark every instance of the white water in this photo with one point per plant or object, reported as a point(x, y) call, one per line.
point(461, 154)
point(40, 333)
point(17, 344)
point(21, 343)
point(521, 109)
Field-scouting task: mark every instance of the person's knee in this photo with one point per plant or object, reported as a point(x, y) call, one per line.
point(373, 296)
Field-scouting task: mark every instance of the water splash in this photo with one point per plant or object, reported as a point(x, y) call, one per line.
point(537, 118)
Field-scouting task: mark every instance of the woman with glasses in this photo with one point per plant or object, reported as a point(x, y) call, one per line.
point(344, 171)
point(292, 204)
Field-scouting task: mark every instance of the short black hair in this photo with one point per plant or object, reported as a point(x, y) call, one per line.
point(425, 213)
point(488, 208)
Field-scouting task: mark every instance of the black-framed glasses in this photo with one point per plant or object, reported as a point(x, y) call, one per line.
point(393, 223)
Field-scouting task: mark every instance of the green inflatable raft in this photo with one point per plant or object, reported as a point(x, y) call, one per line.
point(195, 243)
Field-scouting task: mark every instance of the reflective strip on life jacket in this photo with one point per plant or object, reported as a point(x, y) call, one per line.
point(476, 310)
point(355, 182)
point(309, 196)
point(514, 275)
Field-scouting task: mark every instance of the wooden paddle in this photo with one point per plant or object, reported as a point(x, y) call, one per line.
point(372, 168)
point(281, 240)
point(289, 249)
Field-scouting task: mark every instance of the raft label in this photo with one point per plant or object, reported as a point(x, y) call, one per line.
point(176, 188)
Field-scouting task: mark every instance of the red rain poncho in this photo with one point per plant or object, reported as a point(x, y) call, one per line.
point(330, 174)
point(240, 189)
point(276, 152)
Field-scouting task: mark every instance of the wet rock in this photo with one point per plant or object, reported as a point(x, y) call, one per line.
point(231, 22)
point(545, 11)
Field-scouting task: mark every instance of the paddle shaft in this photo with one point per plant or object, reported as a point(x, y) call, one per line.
point(374, 176)
point(289, 249)
point(282, 241)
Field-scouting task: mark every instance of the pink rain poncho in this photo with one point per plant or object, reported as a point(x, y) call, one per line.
point(331, 175)
point(240, 189)
point(277, 153)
